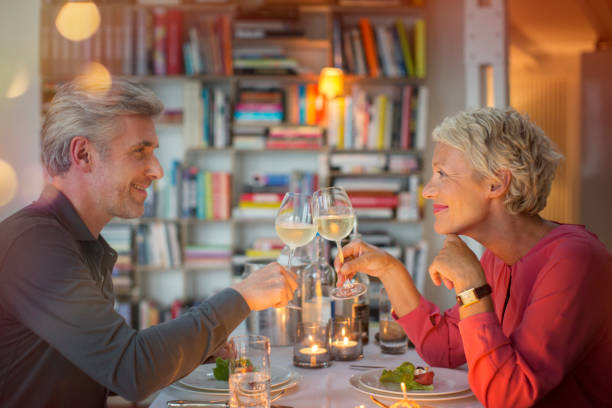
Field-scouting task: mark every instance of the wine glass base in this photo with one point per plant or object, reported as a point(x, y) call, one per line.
point(349, 292)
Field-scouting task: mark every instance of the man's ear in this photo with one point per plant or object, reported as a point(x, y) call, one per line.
point(81, 153)
point(498, 187)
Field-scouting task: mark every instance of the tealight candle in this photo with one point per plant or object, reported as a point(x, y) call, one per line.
point(311, 347)
point(313, 352)
point(346, 344)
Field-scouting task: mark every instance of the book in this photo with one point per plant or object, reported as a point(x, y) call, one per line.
point(420, 63)
point(358, 52)
point(405, 134)
point(405, 46)
point(174, 42)
point(421, 119)
point(369, 183)
point(374, 201)
point(369, 47)
point(160, 38)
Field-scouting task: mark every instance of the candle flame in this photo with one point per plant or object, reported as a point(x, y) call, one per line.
point(343, 332)
point(314, 348)
point(403, 385)
point(346, 340)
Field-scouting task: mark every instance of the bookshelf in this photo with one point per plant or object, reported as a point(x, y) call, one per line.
point(181, 251)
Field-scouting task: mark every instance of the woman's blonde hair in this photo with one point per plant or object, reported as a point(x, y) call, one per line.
point(494, 139)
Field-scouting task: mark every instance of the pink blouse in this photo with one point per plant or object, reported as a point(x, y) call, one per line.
point(553, 345)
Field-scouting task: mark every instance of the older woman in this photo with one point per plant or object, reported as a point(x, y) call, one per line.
point(534, 316)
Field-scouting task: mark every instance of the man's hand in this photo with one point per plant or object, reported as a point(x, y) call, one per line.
point(457, 266)
point(270, 286)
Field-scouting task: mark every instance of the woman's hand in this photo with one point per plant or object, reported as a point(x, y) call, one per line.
point(457, 266)
point(362, 257)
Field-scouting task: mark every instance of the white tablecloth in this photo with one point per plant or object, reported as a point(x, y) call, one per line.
point(326, 387)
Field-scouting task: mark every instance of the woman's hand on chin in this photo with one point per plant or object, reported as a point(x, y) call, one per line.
point(456, 266)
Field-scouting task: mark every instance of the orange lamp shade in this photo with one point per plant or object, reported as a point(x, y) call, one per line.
point(331, 82)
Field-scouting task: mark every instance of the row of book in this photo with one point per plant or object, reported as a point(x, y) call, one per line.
point(381, 49)
point(157, 244)
point(379, 120)
point(262, 195)
point(390, 197)
point(117, 44)
point(374, 163)
point(257, 114)
point(206, 115)
point(208, 256)
point(191, 193)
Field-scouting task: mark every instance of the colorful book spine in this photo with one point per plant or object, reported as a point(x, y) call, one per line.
point(405, 136)
point(420, 64)
point(159, 41)
point(174, 24)
point(226, 40)
point(405, 46)
point(369, 47)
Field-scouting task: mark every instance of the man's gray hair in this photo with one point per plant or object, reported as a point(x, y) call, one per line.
point(495, 139)
point(78, 110)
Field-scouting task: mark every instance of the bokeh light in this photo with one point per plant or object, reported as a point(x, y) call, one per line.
point(31, 181)
point(95, 78)
point(8, 183)
point(78, 21)
point(19, 84)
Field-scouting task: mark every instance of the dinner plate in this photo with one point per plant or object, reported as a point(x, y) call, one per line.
point(446, 381)
point(356, 384)
point(202, 379)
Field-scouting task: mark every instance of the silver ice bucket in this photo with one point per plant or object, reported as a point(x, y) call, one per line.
point(277, 323)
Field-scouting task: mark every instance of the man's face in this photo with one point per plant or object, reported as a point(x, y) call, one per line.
point(460, 200)
point(128, 168)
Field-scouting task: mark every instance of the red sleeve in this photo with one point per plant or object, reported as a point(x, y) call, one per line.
point(562, 317)
point(436, 337)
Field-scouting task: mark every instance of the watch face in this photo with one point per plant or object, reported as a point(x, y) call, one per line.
point(468, 297)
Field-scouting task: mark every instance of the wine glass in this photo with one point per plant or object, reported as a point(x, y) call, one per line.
point(294, 225)
point(334, 217)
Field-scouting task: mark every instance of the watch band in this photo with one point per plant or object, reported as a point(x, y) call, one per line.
point(473, 295)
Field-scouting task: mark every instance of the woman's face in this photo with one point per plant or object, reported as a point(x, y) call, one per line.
point(460, 199)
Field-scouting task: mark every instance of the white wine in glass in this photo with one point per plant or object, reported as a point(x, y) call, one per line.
point(335, 218)
point(294, 225)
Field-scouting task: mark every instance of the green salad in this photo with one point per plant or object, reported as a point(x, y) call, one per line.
point(405, 373)
point(221, 371)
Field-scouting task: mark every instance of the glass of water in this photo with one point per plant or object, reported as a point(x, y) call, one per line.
point(249, 371)
point(393, 339)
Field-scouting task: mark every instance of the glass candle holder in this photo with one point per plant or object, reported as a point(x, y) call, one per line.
point(311, 348)
point(346, 342)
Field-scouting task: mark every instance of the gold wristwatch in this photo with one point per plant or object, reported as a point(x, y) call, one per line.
point(473, 295)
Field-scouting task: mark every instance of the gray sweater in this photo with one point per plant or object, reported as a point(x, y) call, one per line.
point(61, 342)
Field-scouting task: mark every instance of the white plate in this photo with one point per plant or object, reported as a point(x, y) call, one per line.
point(355, 383)
point(202, 379)
point(446, 381)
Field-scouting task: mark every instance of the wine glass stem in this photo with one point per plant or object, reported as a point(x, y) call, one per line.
point(347, 282)
point(290, 256)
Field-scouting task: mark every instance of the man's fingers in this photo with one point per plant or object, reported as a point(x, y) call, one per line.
point(291, 278)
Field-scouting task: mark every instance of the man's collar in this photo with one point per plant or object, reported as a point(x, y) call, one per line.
point(57, 203)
